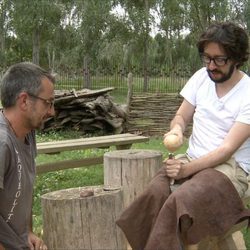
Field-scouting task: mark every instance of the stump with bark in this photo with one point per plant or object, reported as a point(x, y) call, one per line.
point(83, 218)
point(132, 169)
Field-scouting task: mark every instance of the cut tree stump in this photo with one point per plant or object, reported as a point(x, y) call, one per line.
point(132, 170)
point(83, 218)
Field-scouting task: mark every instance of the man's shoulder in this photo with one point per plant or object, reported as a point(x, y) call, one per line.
point(200, 75)
point(201, 71)
point(244, 85)
point(198, 79)
point(3, 131)
point(5, 137)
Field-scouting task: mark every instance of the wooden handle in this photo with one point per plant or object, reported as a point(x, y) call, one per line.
point(171, 156)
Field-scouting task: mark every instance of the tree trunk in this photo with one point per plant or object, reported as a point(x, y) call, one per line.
point(145, 49)
point(130, 91)
point(3, 16)
point(145, 69)
point(36, 46)
point(51, 58)
point(86, 73)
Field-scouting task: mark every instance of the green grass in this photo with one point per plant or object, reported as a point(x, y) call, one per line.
point(62, 180)
point(79, 177)
point(155, 84)
point(85, 176)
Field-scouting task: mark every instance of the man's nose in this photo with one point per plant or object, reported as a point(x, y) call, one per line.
point(51, 111)
point(211, 65)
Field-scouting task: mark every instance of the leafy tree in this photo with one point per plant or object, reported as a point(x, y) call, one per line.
point(35, 21)
point(140, 19)
point(67, 35)
point(92, 19)
point(201, 13)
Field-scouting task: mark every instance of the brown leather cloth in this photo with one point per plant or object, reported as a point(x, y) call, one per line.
point(209, 198)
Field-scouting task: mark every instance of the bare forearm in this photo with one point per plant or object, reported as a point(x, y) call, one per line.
point(178, 124)
point(210, 160)
point(182, 118)
point(232, 142)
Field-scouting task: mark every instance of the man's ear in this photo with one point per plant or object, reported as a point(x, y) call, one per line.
point(23, 100)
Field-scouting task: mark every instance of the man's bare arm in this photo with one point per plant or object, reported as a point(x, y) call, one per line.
point(237, 135)
point(182, 118)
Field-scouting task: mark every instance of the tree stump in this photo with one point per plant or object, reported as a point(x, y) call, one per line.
point(83, 218)
point(132, 170)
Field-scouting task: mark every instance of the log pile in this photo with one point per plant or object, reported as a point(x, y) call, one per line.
point(88, 111)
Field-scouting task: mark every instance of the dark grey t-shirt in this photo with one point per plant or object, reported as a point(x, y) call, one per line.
point(17, 173)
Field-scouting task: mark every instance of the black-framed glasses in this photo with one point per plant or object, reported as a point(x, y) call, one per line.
point(50, 103)
point(218, 60)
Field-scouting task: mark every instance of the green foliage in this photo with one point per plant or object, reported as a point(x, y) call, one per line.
point(62, 33)
point(35, 22)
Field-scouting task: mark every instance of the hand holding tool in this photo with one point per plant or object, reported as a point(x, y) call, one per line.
point(172, 142)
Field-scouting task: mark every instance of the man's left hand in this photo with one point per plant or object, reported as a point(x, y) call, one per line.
point(36, 243)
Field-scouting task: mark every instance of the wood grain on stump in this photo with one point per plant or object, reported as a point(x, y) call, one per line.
point(132, 169)
point(83, 218)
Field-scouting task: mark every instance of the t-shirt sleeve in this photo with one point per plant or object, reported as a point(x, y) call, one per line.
point(244, 114)
point(189, 91)
point(5, 161)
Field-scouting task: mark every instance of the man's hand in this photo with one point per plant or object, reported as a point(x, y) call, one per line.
point(176, 132)
point(36, 243)
point(175, 169)
point(2, 247)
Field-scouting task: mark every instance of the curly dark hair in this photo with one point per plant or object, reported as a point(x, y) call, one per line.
point(232, 38)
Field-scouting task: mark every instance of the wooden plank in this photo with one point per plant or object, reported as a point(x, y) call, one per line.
point(85, 143)
point(121, 141)
point(89, 139)
point(61, 165)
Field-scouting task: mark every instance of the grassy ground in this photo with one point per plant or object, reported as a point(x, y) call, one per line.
point(171, 84)
point(79, 177)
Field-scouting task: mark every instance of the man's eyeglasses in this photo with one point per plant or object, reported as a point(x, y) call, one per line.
point(218, 60)
point(50, 103)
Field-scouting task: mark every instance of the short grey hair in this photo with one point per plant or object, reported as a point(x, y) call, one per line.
point(22, 77)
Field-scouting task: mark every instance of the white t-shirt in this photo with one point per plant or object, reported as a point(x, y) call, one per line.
point(214, 116)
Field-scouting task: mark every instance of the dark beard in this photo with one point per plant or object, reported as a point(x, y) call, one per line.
point(224, 77)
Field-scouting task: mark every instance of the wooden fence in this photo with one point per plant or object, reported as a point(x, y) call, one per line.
point(163, 78)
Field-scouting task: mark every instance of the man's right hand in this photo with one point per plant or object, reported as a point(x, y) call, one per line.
point(2, 247)
point(175, 169)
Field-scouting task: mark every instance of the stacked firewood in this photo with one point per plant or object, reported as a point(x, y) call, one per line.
point(88, 111)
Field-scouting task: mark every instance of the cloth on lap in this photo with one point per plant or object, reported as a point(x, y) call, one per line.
point(208, 198)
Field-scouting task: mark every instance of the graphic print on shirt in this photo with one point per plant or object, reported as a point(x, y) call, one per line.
point(19, 188)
